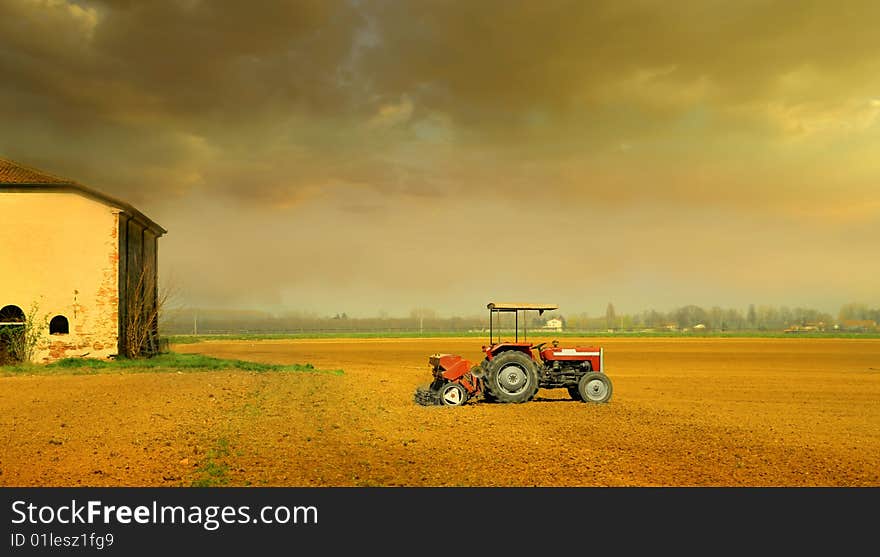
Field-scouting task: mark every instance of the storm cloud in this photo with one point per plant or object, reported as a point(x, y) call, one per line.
point(367, 156)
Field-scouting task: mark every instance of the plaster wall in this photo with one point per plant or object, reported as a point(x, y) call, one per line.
point(60, 251)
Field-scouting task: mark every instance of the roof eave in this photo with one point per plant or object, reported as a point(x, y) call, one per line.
point(91, 194)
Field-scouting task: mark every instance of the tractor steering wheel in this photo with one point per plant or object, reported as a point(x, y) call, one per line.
point(539, 346)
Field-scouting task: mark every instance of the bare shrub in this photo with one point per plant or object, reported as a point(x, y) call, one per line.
point(144, 305)
point(22, 341)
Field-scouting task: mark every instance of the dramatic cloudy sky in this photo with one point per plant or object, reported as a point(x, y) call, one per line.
point(377, 156)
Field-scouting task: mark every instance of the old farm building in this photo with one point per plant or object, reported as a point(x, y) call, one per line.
point(77, 261)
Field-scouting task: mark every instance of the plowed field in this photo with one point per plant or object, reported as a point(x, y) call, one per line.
point(685, 412)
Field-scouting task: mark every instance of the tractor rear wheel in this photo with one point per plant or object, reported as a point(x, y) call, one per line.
point(481, 373)
point(512, 377)
point(453, 394)
point(594, 387)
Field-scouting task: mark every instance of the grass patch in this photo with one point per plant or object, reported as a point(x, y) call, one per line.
point(214, 471)
point(170, 362)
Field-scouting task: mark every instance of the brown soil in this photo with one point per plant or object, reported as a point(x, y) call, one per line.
point(685, 412)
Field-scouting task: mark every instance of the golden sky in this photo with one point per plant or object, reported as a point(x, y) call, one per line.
point(377, 156)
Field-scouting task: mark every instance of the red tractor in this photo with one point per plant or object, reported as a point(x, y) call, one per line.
point(514, 371)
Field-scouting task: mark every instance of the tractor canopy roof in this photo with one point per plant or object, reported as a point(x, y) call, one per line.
point(507, 306)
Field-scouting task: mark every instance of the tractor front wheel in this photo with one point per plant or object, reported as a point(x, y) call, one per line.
point(512, 377)
point(594, 387)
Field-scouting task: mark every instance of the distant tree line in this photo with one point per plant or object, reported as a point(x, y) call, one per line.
point(200, 321)
point(716, 318)
point(855, 311)
point(424, 320)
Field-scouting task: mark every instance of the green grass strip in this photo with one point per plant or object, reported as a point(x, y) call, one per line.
point(170, 362)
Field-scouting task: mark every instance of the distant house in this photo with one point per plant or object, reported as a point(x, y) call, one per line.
point(554, 324)
point(859, 325)
point(806, 328)
point(83, 260)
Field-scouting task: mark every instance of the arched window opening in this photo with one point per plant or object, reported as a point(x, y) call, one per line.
point(11, 314)
point(12, 321)
point(59, 325)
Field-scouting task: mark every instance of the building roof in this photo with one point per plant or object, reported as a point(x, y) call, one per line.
point(16, 173)
point(18, 177)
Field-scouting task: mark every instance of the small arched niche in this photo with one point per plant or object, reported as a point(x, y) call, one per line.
point(59, 325)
